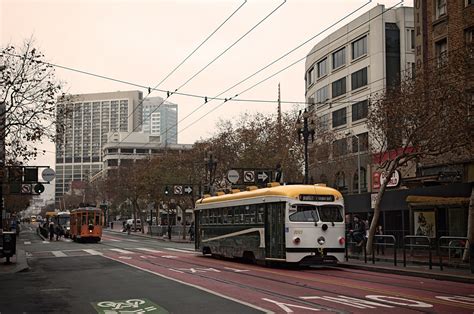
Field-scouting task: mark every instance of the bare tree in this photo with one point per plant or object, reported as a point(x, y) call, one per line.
point(426, 118)
point(29, 92)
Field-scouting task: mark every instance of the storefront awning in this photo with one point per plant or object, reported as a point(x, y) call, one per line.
point(436, 200)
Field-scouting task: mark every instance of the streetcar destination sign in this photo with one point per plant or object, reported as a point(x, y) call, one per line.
point(316, 198)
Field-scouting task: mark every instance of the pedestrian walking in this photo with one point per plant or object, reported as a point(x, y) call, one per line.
point(129, 227)
point(112, 225)
point(191, 231)
point(51, 231)
point(358, 231)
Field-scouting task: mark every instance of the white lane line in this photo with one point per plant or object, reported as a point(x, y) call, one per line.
point(110, 239)
point(148, 250)
point(122, 251)
point(131, 240)
point(27, 242)
point(92, 252)
point(178, 250)
point(58, 254)
point(45, 241)
point(193, 285)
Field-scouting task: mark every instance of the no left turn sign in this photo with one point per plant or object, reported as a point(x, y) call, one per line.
point(249, 176)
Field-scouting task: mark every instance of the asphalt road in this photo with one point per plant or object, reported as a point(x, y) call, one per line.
point(164, 276)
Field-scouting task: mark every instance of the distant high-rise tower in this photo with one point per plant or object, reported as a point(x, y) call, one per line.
point(90, 117)
point(161, 118)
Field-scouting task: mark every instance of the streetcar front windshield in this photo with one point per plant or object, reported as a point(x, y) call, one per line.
point(305, 213)
point(330, 213)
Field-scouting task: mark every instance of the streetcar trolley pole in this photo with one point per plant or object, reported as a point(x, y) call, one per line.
point(449, 247)
point(411, 245)
point(394, 244)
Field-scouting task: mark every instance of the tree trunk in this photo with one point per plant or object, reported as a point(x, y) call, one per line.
point(375, 218)
point(470, 226)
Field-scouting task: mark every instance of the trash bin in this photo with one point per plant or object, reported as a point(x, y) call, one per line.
point(9, 244)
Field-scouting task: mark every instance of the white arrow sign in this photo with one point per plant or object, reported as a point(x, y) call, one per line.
point(188, 189)
point(263, 176)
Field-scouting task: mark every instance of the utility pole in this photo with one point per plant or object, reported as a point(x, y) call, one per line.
point(306, 130)
point(211, 165)
point(2, 153)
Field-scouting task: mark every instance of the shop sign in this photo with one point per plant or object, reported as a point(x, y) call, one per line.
point(379, 178)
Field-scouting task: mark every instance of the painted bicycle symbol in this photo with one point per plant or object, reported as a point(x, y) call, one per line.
point(132, 303)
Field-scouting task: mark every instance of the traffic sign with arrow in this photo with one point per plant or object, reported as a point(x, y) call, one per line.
point(263, 176)
point(188, 189)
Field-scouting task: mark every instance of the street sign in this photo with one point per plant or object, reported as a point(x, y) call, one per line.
point(249, 176)
point(30, 175)
point(233, 176)
point(48, 174)
point(26, 189)
point(188, 189)
point(263, 176)
point(178, 190)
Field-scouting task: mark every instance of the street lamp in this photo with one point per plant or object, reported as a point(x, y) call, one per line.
point(358, 159)
point(304, 129)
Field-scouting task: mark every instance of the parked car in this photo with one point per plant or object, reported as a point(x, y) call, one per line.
point(132, 224)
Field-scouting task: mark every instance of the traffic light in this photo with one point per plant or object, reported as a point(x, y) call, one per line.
point(39, 188)
point(167, 191)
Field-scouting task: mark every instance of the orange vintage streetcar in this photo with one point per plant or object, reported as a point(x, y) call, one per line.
point(86, 224)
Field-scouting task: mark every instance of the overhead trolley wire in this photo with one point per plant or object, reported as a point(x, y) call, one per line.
point(285, 68)
point(268, 65)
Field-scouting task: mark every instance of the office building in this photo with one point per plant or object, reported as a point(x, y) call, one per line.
point(89, 119)
point(161, 118)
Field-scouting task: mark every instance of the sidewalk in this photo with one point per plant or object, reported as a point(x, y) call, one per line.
point(463, 275)
point(18, 263)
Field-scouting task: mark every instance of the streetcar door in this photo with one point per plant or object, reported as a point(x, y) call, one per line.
point(197, 229)
point(275, 230)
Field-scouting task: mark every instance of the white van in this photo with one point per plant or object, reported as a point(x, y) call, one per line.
point(132, 224)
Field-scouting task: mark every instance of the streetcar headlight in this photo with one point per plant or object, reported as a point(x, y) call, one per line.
point(321, 240)
point(296, 240)
point(90, 231)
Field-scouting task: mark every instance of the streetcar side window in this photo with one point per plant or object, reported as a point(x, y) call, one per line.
point(260, 212)
point(305, 213)
point(230, 215)
point(97, 219)
point(330, 213)
point(225, 218)
point(237, 219)
point(90, 219)
point(84, 218)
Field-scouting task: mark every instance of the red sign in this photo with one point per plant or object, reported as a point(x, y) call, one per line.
point(378, 178)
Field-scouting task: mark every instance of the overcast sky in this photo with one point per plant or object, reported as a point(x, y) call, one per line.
point(141, 41)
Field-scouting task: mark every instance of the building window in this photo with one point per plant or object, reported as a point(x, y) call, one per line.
point(324, 122)
point(340, 147)
point(410, 39)
point(309, 77)
point(322, 67)
point(359, 78)
point(359, 48)
point(440, 8)
point(360, 110)
point(339, 58)
point(363, 142)
point(441, 51)
point(468, 35)
point(339, 87)
point(341, 181)
point(322, 94)
point(339, 117)
point(363, 179)
point(469, 2)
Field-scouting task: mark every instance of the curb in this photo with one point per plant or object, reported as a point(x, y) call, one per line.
point(407, 272)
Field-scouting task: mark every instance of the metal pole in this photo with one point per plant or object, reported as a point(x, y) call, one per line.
point(358, 163)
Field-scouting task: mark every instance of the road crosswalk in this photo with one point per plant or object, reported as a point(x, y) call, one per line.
point(101, 252)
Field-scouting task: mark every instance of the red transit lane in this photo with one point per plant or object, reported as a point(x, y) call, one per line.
point(301, 291)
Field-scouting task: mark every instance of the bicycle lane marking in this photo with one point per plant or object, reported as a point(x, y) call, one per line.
point(141, 265)
point(142, 305)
